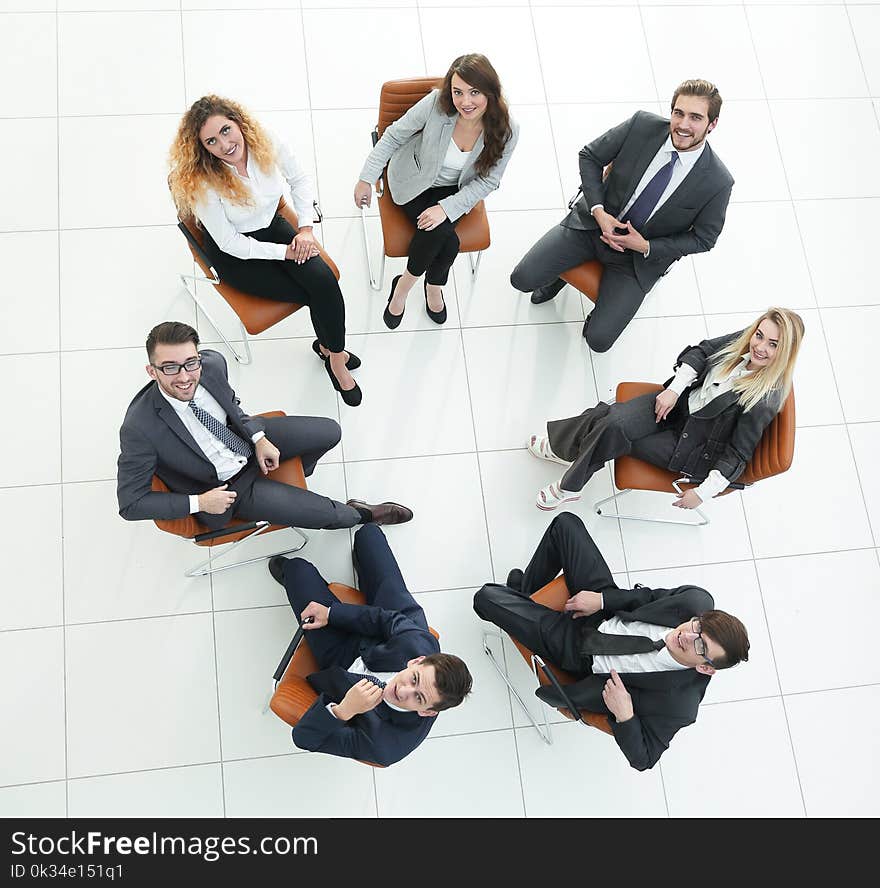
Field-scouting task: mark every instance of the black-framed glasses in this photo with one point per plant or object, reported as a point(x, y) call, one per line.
point(699, 644)
point(174, 369)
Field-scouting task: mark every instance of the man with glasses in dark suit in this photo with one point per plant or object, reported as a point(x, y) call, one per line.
point(644, 656)
point(187, 427)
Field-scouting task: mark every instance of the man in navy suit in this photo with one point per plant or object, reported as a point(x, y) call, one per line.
point(187, 426)
point(382, 678)
point(664, 197)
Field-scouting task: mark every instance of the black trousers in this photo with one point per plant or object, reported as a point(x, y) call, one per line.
point(260, 498)
point(312, 283)
point(431, 253)
point(556, 636)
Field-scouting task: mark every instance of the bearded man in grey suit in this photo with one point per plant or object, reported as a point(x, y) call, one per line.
point(664, 197)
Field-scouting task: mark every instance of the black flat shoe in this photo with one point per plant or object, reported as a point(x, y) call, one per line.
point(392, 321)
point(438, 317)
point(352, 363)
point(352, 397)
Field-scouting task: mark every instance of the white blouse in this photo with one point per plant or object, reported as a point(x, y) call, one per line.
point(453, 164)
point(226, 221)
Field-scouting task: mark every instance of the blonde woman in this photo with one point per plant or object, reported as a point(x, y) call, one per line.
point(230, 173)
point(705, 423)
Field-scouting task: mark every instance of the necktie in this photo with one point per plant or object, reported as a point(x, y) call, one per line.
point(221, 432)
point(596, 643)
point(357, 676)
point(644, 204)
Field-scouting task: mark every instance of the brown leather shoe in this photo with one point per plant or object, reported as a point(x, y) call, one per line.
point(384, 513)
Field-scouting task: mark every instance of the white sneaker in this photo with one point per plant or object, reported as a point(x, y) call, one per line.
point(539, 445)
point(553, 495)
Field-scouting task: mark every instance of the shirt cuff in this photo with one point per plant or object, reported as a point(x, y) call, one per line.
point(329, 708)
point(257, 436)
point(648, 251)
point(280, 250)
point(193, 503)
point(712, 486)
point(684, 376)
point(595, 206)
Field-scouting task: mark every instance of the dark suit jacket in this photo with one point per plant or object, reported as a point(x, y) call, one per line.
point(721, 435)
point(387, 641)
point(688, 222)
point(153, 440)
point(663, 702)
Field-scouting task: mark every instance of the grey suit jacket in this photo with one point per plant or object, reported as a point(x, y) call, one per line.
point(416, 144)
point(688, 222)
point(153, 440)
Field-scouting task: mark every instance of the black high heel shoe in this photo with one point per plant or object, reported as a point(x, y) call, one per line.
point(352, 397)
point(392, 321)
point(352, 363)
point(438, 317)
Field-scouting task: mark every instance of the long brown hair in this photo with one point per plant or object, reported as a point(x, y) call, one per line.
point(194, 169)
point(476, 70)
point(777, 375)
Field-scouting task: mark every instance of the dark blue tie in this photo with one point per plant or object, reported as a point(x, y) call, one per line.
point(357, 676)
point(221, 432)
point(639, 213)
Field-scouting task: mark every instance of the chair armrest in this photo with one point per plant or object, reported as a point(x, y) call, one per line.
point(226, 531)
point(319, 216)
point(196, 247)
point(574, 200)
point(291, 650)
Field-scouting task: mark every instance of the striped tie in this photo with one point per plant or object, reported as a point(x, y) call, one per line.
point(223, 434)
point(357, 676)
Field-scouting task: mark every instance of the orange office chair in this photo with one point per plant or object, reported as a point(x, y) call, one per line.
point(292, 694)
point(254, 313)
point(396, 98)
point(553, 595)
point(237, 532)
point(772, 456)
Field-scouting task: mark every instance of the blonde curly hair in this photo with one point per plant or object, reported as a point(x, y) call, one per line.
point(194, 170)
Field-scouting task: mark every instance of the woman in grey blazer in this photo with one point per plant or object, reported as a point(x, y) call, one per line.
point(444, 156)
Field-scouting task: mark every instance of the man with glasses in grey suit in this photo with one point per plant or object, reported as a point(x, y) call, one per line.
point(187, 427)
point(664, 197)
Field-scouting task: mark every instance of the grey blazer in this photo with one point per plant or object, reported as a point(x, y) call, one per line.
point(416, 144)
point(153, 440)
point(688, 222)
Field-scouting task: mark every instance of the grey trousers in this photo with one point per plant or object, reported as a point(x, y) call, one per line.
point(620, 294)
point(605, 432)
point(260, 498)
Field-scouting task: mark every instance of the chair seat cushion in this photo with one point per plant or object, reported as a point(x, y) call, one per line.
point(585, 277)
point(397, 231)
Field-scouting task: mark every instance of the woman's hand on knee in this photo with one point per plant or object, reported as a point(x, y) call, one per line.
point(666, 400)
point(432, 217)
point(363, 194)
point(302, 247)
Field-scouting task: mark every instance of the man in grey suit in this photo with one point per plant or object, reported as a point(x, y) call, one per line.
point(187, 427)
point(665, 197)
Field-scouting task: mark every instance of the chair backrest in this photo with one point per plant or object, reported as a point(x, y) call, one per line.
point(554, 595)
point(398, 96)
point(294, 695)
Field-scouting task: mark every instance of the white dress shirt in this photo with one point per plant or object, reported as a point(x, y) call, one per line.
point(362, 669)
point(653, 661)
point(227, 462)
point(226, 221)
point(716, 383)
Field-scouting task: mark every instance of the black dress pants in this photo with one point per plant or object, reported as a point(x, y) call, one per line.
point(312, 283)
point(431, 253)
point(556, 636)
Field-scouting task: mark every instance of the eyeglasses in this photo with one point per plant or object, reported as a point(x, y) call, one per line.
point(174, 369)
point(699, 644)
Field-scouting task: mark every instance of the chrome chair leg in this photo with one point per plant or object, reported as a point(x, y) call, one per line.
point(597, 508)
point(375, 283)
point(475, 267)
point(246, 358)
point(207, 567)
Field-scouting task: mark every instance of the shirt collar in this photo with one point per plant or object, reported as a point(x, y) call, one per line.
point(686, 158)
point(180, 406)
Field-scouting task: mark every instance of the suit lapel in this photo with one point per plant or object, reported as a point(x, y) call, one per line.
point(649, 148)
point(687, 192)
point(169, 415)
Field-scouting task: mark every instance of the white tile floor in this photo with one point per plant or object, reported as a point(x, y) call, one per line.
point(131, 691)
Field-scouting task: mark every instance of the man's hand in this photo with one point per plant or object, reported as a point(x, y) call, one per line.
point(617, 698)
point(607, 223)
point(584, 604)
point(216, 501)
point(632, 240)
point(360, 697)
point(432, 217)
point(690, 499)
point(318, 612)
point(663, 404)
point(363, 194)
point(267, 455)
point(303, 246)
